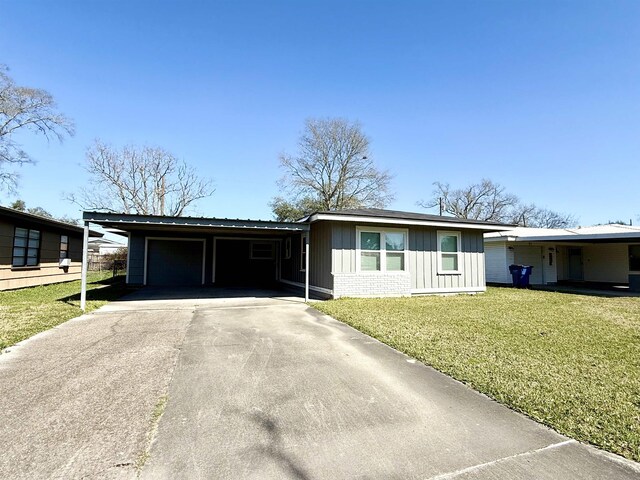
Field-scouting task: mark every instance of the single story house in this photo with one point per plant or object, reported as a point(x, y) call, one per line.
point(361, 252)
point(604, 254)
point(99, 247)
point(36, 250)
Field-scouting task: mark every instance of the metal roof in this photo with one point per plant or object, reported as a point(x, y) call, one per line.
point(123, 221)
point(378, 215)
point(594, 234)
point(39, 219)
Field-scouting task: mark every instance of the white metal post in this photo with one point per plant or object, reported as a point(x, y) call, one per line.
point(306, 268)
point(85, 264)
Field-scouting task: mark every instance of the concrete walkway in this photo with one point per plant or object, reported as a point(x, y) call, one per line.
point(257, 387)
point(268, 388)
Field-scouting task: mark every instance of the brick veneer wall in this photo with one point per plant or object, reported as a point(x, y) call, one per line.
point(377, 284)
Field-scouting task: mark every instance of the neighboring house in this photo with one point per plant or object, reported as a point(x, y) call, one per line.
point(36, 250)
point(606, 254)
point(364, 252)
point(99, 247)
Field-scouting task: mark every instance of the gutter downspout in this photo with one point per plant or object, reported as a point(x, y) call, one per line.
point(85, 254)
point(306, 267)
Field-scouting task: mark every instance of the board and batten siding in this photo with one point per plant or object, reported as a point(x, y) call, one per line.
point(421, 262)
point(319, 261)
point(48, 270)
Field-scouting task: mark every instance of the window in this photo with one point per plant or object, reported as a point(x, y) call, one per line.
point(448, 252)
point(634, 258)
point(261, 251)
point(64, 246)
point(26, 248)
point(381, 250)
point(303, 253)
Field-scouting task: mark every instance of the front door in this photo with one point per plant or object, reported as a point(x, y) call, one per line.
point(575, 263)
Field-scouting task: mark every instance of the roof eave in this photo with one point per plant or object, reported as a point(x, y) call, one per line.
point(318, 216)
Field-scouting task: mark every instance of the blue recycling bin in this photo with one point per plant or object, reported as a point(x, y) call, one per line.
point(516, 274)
point(520, 275)
point(524, 277)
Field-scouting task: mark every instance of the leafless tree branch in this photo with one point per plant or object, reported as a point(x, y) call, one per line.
point(331, 171)
point(145, 181)
point(25, 109)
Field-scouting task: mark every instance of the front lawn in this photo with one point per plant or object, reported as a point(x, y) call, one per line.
point(28, 311)
point(569, 361)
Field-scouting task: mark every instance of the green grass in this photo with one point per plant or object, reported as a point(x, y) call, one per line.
point(28, 311)
point(569, 361)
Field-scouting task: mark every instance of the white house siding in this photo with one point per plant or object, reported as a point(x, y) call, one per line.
point(497, 263)
point(530, 255)
point(606, 263)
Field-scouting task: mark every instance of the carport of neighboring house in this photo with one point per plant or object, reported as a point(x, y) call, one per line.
point(190, 251)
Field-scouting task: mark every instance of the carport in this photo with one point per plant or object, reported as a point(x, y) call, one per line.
point(198, 251)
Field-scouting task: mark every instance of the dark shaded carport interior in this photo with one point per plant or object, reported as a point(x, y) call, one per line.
point(229, 259)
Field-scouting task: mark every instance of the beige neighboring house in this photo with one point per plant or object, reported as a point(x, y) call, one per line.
point(603, 254)
point(36, 250)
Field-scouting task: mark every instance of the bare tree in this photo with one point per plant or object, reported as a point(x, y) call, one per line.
point(25, 109)
point(489, 201)
point(532, 216)
point(331, 171)
point(485, 201)
point(145, 181)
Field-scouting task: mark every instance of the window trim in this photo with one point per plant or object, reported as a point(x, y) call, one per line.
point(272, 255)
point(449, 233)
point(383, 250)
point(26, 248)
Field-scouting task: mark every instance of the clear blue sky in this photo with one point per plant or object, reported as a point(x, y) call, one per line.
point(542, 97)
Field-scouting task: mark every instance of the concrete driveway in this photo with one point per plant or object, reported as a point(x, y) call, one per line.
point(269, 388)
point(257, 387)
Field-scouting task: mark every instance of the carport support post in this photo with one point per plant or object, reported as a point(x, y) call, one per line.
point(85, 254)
point(306, 268)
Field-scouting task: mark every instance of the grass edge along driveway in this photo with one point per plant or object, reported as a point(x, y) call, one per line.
point(27, 311)
point(571, 362)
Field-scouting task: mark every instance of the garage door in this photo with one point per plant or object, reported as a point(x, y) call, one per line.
point(174, 262)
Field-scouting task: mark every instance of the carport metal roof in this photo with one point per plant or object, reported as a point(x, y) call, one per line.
point(119, 222)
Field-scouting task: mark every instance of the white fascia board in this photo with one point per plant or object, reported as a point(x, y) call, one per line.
point(403, 221)
point(500, 239)
point(582, 238)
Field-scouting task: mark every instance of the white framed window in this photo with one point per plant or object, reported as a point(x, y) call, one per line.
point(449, 252)
point(261, 251)
point(381, 250)
point(303, 252)
point(287, 248)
